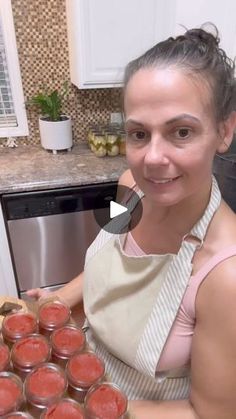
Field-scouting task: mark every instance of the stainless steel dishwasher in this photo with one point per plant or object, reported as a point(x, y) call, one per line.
point(50, 231)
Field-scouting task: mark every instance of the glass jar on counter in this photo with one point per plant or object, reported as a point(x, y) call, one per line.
point(44, 385)
point(105, 400)
point(18, 415)
point(28, 352)
point(4, 356)
point(65, 342)
point(65, 408)
point(11, 392)
point(83, 370)
point(122, 142)
point(18, 325)
point(112, 143)
point(52, 314)
point(98, 144)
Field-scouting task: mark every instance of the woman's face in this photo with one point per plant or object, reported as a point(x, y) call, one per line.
point(171, 134)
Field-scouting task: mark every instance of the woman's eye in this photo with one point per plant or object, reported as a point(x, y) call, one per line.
point(183, 132)
point(137, 135)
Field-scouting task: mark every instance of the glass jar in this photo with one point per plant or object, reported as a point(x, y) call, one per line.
point(112, 143)
point(18, 325)
point(122, 142)
point(18, 415)
point(4, 356)
point(28, 352)
point(52, 314)
point(83, 370)
point(105, 401)
point(65, 342)
point(66, 408)
point(44, 385)
point(98, 144)
point(11, 392)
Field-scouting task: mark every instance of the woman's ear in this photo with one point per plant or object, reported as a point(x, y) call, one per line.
point(226, 132)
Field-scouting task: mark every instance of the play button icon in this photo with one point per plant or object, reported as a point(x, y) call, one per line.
point(116, 209)
point(119, 212)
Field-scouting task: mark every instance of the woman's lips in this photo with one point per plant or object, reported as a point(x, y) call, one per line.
point(162, 181)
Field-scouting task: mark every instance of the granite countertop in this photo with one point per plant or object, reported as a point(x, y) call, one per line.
point(28, 168)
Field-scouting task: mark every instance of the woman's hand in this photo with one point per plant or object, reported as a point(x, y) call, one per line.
point(37, 293)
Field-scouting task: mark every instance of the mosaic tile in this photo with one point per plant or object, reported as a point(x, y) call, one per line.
point(41, 37)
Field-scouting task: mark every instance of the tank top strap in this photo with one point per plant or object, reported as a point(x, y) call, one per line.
point(215, 260)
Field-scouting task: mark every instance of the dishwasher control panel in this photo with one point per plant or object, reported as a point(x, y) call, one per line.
point(58, 201)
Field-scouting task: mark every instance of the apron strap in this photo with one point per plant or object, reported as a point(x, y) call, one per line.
point(171, 294)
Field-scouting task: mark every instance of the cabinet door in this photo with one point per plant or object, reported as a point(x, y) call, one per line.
point(104, 35)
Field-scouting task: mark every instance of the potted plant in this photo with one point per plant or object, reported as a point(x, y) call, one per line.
point(54, 127)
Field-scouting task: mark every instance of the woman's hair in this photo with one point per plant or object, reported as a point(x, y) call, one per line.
point(197, 53)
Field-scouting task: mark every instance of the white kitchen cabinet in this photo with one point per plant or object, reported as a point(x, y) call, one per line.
point(7, 277)
point(104, 35)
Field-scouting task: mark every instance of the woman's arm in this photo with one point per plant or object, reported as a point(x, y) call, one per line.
point(213, 357)
point(71, 292)
point(176, 409)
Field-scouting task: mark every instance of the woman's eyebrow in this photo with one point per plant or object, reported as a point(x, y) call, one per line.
point(182, 116)
point(132, 121)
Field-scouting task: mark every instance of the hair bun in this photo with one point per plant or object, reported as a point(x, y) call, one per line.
point(209, 38)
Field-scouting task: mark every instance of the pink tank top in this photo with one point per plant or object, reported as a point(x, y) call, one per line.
point(177, 350)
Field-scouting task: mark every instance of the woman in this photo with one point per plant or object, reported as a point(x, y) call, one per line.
point(160, 300)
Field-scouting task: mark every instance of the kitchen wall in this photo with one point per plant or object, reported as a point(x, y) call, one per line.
point(43, 54)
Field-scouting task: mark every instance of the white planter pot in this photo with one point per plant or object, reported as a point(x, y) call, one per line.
point(55, 135)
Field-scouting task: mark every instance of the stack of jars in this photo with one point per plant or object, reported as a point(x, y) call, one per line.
point(48, 371)
point(106, 140)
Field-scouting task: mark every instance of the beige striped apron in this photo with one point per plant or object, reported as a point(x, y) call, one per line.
point(131, 303)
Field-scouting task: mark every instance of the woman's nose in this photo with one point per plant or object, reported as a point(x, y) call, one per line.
point(157, 152)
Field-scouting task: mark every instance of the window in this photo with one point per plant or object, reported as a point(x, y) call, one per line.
point(13, 121)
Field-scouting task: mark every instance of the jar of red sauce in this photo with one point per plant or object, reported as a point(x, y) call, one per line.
point(4, 357)
point(18, 415)
point(52, 315)
point(66, 408)
point(65, 342)
point(28, 352)
point(44, 385)
point(83, 370)
point(11, 392)
point(18, 325)
point(105, 401)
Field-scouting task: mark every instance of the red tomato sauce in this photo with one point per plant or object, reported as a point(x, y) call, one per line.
point(68, 340)
point(4, 356)
point(85, 368)
point(53, 313)
point(106, 402)
point(46, 383)
point(30, 351)
point(10, 394)
point(66, 410)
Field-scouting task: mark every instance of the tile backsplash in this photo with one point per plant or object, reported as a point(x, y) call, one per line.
point(41, 37)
